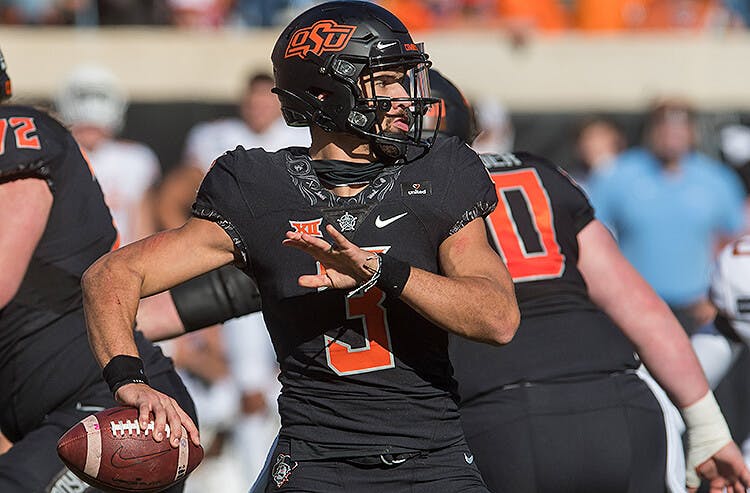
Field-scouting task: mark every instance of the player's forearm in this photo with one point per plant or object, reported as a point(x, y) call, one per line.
point(110, 299)
point(660, 341)
point(666, 351)
point(477, 308)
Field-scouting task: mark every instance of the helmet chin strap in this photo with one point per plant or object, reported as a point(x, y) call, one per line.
point(389, 151)
point(391, 146)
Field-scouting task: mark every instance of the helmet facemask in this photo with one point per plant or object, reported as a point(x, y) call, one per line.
point(371, 109)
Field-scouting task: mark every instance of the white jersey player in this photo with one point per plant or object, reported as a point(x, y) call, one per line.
point(718, 349)
point(93, 104)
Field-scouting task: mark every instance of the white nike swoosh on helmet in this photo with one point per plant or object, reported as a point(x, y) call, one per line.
point(382, 46)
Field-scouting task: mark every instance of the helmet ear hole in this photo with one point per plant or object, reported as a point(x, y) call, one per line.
point(323, 121)
point(294, 118)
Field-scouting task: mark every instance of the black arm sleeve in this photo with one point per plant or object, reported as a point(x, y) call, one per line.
point(215, 297)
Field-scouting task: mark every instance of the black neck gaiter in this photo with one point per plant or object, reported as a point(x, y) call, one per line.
point(335, 173)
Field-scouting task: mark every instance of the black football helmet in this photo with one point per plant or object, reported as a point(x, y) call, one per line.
point(454, 115)
point(5, 87)
point(318, 61)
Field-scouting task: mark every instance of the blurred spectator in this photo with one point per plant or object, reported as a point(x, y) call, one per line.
point(669, 205)
point(93, 103)
point(610, 15)
point(496, 133)
point(415, 14)
point(681, 14)
point(521, 19)
point(132, 12)
point(740, 9)
point(260, 125)
point(198, 13)
point(262, 13)
point(30, 12)
point(540, 15)
point(598, 143)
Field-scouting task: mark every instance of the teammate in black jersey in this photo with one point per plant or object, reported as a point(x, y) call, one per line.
point(384, 250)
point(54, 224)
point(559, 408)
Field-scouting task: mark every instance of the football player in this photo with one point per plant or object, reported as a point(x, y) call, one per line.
point(560, 408)
point(53, 226)
point(367, 248)
point(719, 344)
point(93, 104)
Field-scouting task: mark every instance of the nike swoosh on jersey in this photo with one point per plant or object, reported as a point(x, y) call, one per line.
point(382, 223)
point(469, 458)
point(121, 462)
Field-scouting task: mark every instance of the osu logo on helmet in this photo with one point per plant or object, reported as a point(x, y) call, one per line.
point(323, 36)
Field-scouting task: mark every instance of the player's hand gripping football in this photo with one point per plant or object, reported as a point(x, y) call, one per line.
point(164, 409)
point(346, 265)
point(725, 471)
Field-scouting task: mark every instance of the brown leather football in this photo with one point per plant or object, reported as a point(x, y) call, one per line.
point(110, 451)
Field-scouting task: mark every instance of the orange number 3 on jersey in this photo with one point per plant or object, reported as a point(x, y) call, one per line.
point(376, 353)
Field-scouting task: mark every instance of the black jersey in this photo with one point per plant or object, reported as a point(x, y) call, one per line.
point(365, 375)
point(44, 353)
point(562, 333)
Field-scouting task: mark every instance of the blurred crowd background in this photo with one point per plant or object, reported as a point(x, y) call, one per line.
point(150, 154)
point(546, 15)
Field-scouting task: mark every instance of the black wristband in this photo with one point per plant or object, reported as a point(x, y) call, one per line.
point(393, 275)
point(122, 370)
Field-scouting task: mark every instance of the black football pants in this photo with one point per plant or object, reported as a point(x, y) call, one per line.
point(32, 464)
point(449, 470)
point(602, 435)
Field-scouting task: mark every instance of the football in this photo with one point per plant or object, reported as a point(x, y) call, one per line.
point(110, 451)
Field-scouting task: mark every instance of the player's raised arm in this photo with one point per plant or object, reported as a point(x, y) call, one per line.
point(475, 297)
point(112, 287)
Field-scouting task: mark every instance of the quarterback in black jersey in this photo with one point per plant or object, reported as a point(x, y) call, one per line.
point(367, 248)
point(559, 408)
point(54, 225)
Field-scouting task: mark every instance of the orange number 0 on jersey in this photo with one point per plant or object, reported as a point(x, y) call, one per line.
point(376, 353)
point(22, 129)
point(522, 265)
